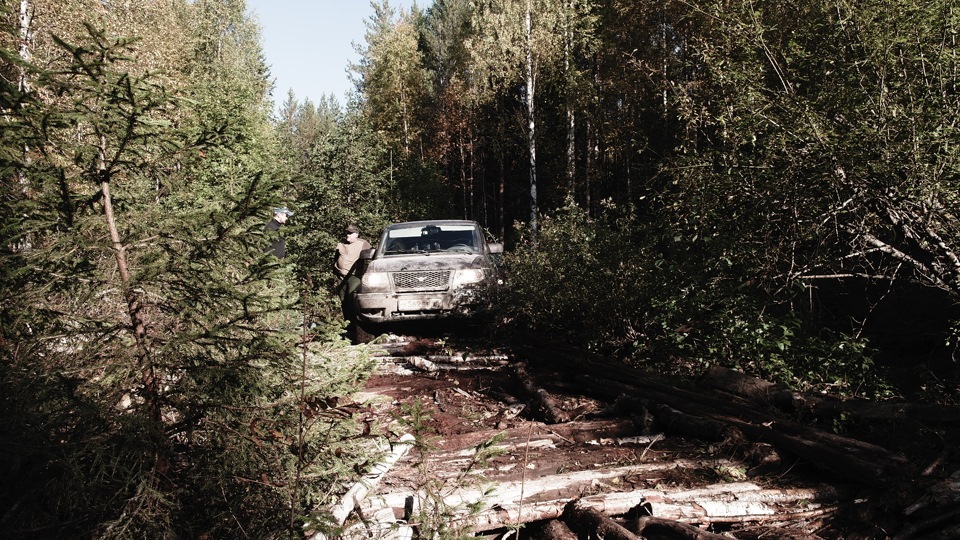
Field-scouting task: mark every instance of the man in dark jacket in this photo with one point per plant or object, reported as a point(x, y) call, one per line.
point(278, 246)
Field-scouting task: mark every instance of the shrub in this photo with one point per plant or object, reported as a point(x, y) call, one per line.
point(672, 302)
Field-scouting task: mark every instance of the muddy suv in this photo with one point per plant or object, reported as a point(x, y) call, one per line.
point(426, 270)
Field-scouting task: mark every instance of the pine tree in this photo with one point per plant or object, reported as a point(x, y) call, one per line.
point(153, 361)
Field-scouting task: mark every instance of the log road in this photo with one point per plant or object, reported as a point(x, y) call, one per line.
point(541, 440)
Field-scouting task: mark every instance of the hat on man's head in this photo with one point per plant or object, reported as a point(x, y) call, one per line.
point(282, 210)
point(351, 229)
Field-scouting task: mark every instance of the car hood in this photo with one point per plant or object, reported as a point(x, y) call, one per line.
point(433, 261)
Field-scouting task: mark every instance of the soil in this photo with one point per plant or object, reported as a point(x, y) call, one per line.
point(470, 400)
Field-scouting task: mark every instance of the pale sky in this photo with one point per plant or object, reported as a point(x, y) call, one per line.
point(308, 44)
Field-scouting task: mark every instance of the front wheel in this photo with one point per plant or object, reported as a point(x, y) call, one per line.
point(362, 335)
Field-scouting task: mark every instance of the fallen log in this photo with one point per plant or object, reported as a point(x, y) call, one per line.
point(768, 393)
point(447, 461)
point(951, 532)
point(337, 514)
point(585, 431)
point(944, 494)
point(681, 423)
point(936, 511)
point(550, 488)
point(588, 522)
point(434, 363)
point(752, 388)
point(542, 402)
point(844, 456)
point(557, 530)
point(655, 528)
point(508, 504)
point(849, 458)
point(382, 526)
point(932, 527)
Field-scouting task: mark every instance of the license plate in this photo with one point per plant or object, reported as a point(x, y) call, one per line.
point(418, 305)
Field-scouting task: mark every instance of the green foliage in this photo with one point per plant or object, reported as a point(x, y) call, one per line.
point(764, 151)
point(676, 305)
point(826, 125)
point(440, 510)
point(395, 84)
point(180, 399)
point(56, 439)
point(575, 261)
point(344, 177)
point(347, 174)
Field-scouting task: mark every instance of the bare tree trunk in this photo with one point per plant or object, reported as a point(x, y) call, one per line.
point(149, 377)
point(531, 120)
point(23, 84)
point(406, 122)
point(464, 187)
point(468, 178)
point(482, 210)
point(589, 167)
point(501, 193)
point(26, 37)
point(571, 114)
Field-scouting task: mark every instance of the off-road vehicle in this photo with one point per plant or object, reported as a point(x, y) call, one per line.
point(423, 270)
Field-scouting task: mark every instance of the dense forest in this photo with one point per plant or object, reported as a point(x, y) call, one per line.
point(766, 186)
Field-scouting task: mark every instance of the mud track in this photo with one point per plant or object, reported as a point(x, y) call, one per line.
point(540, 440)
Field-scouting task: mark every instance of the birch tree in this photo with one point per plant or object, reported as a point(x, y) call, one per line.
point(517, 41)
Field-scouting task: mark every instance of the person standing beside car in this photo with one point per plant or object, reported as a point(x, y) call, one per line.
point(345, 260)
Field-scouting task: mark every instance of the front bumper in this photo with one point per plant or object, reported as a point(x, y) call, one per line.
point(393, 307)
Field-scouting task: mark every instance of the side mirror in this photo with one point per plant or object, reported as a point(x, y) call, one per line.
point(495, 247)
point(367, 254)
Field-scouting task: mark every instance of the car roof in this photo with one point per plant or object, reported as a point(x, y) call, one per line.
point(440, 222)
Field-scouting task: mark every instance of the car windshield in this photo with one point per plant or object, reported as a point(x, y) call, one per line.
point(430, 238)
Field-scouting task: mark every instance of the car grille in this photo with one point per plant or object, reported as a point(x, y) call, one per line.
point(421, 281)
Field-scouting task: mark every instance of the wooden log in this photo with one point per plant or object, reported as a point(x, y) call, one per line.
point(433, 363)
point(557, 530)
point(589, 522)
point(357, 493)
point(850, 458)
point(738, 502)
point(382, 526)
point(739, 383)
point(692, 512)
point(553, 487)
point(511, 503)
point(656, 528)
point(585, 431)
point(448, 459)
point(951, 532)
point(947, 519)
point(767, 393)
point(681, 423)
point(541, 400)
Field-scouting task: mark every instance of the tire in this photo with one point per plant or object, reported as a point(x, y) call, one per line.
point(362, 334)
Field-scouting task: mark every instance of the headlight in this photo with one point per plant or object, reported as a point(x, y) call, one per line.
point(376, 281)
point(468, 277)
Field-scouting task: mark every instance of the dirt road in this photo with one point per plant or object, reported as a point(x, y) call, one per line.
point(551, 439)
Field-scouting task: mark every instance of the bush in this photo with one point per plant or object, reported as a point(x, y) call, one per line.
point(672, 302)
